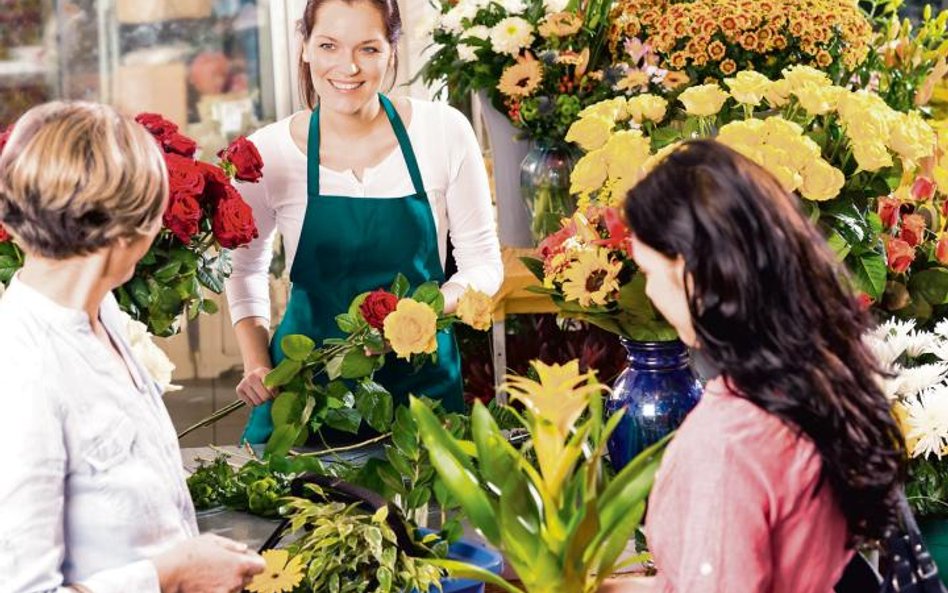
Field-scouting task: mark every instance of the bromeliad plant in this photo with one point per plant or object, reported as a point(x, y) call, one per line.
point(550, 507)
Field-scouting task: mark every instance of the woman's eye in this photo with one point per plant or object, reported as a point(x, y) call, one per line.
point(326, 46)
point(371, 50)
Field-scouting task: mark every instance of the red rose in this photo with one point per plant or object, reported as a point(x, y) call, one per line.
point(183, 216)
point(233, 222)
point(376, 307)
point(899, 255)
point(5, 137)
point(913, 229)
point(4, 235)
point(179, 144)
point(923, 189)
point(216, 183)
point(157, 125)
point(245, 158)
point(941, 249)
point(184, 176)
point(888, 210)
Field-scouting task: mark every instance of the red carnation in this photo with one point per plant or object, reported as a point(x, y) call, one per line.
point(183, 216)
point(376, 307)
point(156, 124)
point(233, 222)
point(179, 144)
point(245, 158)
point(4, 235)
point(184, 176)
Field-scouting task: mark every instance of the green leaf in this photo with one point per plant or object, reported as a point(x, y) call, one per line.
point(138, 290)
point(347, 323)
point(375, 404)
point(167, 272)
point(334, 367)
point(344, 419)
point(931, 285)
point(356, 303)
point(462, 570)
point(430, 294)
point(211, 279)
point(456, 471)
point(869, 271)
point(283, 374)
point(282, 439)
point(8, 267)
point(417, 498)
point(297, 347)
point(400, 286)
point(208, 306)
point(287, 408)
point(839, 245)
point(535, 266)
point(355, 364)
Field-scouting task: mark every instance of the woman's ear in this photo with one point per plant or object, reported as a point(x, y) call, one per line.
point(304, 47)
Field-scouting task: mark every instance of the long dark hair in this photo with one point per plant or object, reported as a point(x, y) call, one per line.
point(774, 312)
point(393, 32)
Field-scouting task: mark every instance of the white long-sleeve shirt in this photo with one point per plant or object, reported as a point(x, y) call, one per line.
point(454, 179)
point(92, 485)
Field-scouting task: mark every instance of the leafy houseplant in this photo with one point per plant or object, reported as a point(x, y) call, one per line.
point(549, 507)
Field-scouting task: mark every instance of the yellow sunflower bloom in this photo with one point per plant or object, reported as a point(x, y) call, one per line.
point(521, 79)
point(282, 574)
point(592, 279)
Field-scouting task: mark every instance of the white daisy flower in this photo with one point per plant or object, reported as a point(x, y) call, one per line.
point(886, 351)
point(893, 328)
point(513, 6)
point(477, 31)
point(511, 35)
point(452, 20)
point(922, 377)
point(928, 421)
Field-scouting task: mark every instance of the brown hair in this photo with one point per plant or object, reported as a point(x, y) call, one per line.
point(393, 31)
point(75, 176)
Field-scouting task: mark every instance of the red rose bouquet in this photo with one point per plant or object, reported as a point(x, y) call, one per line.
point(204, 218)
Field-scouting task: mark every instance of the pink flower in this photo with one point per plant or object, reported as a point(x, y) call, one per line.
point(900, 255)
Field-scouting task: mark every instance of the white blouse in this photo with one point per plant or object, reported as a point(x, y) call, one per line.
point(454, 179)
point(93, 484)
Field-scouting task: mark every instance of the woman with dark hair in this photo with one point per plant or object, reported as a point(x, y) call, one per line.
point(361, 188)
point(792, 456)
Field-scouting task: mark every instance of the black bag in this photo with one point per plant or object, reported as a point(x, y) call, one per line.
point(909, 565)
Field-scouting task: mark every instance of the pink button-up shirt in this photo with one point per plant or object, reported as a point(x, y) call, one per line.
point(733, 511)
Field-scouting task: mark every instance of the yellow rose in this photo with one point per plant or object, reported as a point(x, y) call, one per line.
point(821, 181)
point(866, 116)
point(778, 126)
point(912, 138)
point(777, 93)
point(703, 100)
point(625, 152)
point(747, 133)
point(818, 100)
point(590, 132)
point(648, 107)
point(789, 179)
point(801, 76)
point(589, 173)
point(475, 309)
point(653, 161)
point(748, 87)
point(411, 328)
point(610, 109)
point(871, 156)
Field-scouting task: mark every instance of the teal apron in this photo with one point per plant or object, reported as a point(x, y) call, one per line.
point(350, 245)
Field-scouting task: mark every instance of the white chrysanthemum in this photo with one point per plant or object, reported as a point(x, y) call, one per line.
point(478, 31)
point(893, 328)
point(513, 6)
point(939, 348)
point(890, 386)
point(555, 5)
point(467, 53)
point(918, 343)
point(916, 379)
point(886, 351)
point(928, 421)
point(511, 35)
point(941, 329)
point(452, 20)
point(153, 358)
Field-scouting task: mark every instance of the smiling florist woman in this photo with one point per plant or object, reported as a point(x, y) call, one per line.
point(361, 188)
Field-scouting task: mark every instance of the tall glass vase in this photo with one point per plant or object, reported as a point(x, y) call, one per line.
point(544, 185)
point(657, 389)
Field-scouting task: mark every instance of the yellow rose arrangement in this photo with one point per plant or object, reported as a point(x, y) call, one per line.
point(715, 38)
point(872, 176)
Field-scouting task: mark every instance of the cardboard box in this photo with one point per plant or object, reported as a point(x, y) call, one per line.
point(153, 11)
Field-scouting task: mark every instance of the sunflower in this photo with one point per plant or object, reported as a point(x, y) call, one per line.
point(560, 24)
point(282, 574)
point(521, 79)
point(592, 279)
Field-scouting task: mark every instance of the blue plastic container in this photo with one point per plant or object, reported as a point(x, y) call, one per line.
point(465, 550)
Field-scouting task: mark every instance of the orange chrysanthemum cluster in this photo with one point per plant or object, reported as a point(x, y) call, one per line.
point(715, 38)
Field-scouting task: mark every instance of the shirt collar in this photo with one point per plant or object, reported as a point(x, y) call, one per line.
point(21, 295)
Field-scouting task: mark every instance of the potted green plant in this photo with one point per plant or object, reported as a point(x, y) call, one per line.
point(550, 506)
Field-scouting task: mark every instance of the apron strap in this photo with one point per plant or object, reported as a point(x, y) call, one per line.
point(312, 149)
point(312, 154)
point(404, 143)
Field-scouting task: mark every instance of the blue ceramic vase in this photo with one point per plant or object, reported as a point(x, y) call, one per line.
point(658, 388)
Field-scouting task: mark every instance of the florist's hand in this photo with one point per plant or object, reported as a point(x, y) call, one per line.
point(251, 389)
point(207, 564)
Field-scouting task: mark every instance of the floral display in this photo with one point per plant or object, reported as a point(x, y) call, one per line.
point(716, 38)
point(917, 385)
point(865, 171)
point(205, 217)
point(587, 269)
